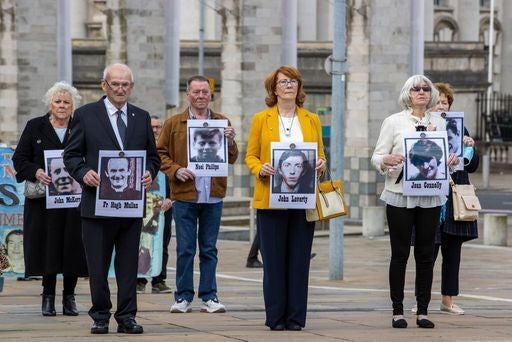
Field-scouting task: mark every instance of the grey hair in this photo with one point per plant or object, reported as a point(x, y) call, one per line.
point(108, 67)
point(414, 81)
point(62, 87)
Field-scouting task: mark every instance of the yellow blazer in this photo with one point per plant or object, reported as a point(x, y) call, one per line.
point(264, 130)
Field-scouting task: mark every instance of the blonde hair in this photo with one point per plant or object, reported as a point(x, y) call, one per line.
point(62, 87)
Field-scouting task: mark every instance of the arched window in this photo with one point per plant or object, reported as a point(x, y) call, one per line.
point(484, 31)
point(445, 29)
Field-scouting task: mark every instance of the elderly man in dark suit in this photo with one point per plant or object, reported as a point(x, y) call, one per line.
point(110, 124)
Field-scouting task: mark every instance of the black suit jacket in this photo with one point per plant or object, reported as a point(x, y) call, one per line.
point(91, 132)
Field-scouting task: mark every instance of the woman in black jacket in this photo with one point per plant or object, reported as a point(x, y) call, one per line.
point(454, 233)
point(52, 237)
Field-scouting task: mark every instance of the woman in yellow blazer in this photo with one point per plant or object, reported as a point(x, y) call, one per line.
point(285, 235)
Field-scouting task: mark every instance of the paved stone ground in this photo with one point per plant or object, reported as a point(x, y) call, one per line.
point(356, 308)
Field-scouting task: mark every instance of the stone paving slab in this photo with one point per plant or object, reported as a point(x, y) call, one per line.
point(356, 308)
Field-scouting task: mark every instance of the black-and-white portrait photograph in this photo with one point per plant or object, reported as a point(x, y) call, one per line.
point(63, 191)
point(120, 178)
point(455, 133)
point(120, 192)
point(426, 167)
point(426, 160)
point(294, 179)
point(295, 171)
point(207, 147)
point(62, 182)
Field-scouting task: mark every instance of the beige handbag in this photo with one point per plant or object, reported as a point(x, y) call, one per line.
point(34, 189)
point(465, 202)
point(330, 201)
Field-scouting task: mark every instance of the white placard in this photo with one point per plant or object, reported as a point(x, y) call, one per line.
point(425, 170)
point(207, 147)
point(293, 184)
point(455, 133)
point(64, 191)
point(120, 193)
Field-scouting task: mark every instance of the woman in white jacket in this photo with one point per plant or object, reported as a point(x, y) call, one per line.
point(405, 212)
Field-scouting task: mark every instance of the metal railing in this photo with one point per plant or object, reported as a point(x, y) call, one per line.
point(494, 125)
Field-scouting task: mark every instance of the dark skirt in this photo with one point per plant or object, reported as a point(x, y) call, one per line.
point(52, 240)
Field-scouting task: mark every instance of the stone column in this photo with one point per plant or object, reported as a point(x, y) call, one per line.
point(36, 30)
point(378, 64)
point(307, 18)
point(145, 53)
point(231, 75)
point(468, 14)
point(8, 74)
point(429, 21)
point(116, 31)
point(506, 47)
point(261, 53)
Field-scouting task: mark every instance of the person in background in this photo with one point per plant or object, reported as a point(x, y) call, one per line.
point(52, 238)
point(418, 94)
point(158, 284)
point(285, 236)
point(452, 234)
point(111, 124)
point(197, 201)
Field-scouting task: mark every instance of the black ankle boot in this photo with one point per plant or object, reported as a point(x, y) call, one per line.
point(69, 305)
point(48, 305)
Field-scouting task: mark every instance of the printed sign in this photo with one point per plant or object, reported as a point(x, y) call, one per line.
point(207, 148)
point(293, 182)
point(120, 193)
point(426, 170)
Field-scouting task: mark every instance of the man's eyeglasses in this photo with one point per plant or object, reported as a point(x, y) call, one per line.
point(417, 89)
point(284, 83)
point(116, 85)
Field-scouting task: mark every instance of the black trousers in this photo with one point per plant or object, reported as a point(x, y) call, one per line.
point(50, 282)
point(100, 237)
point(255, 248)
point(165, 252)
point(401, 222)
point(451, 246)
point(285, 241)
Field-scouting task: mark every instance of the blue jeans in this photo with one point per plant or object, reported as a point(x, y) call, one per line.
point(187, 215)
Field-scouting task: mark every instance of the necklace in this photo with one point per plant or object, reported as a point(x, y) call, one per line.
point(287, 131)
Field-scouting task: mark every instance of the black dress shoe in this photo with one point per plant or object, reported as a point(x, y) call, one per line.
point(129, 326)
point(425, 323)
point(399, 323)
point(278, 327)
point(254, 264)
point(69, 305)
point(99, 327)
point(48, 305)
point(294, 327)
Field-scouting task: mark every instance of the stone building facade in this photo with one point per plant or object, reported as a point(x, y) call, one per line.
point(243, 44)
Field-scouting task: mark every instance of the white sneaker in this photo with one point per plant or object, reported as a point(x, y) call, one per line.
point(213, 306)
point(454, 309)
point(414, 308)
point(181, 306)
